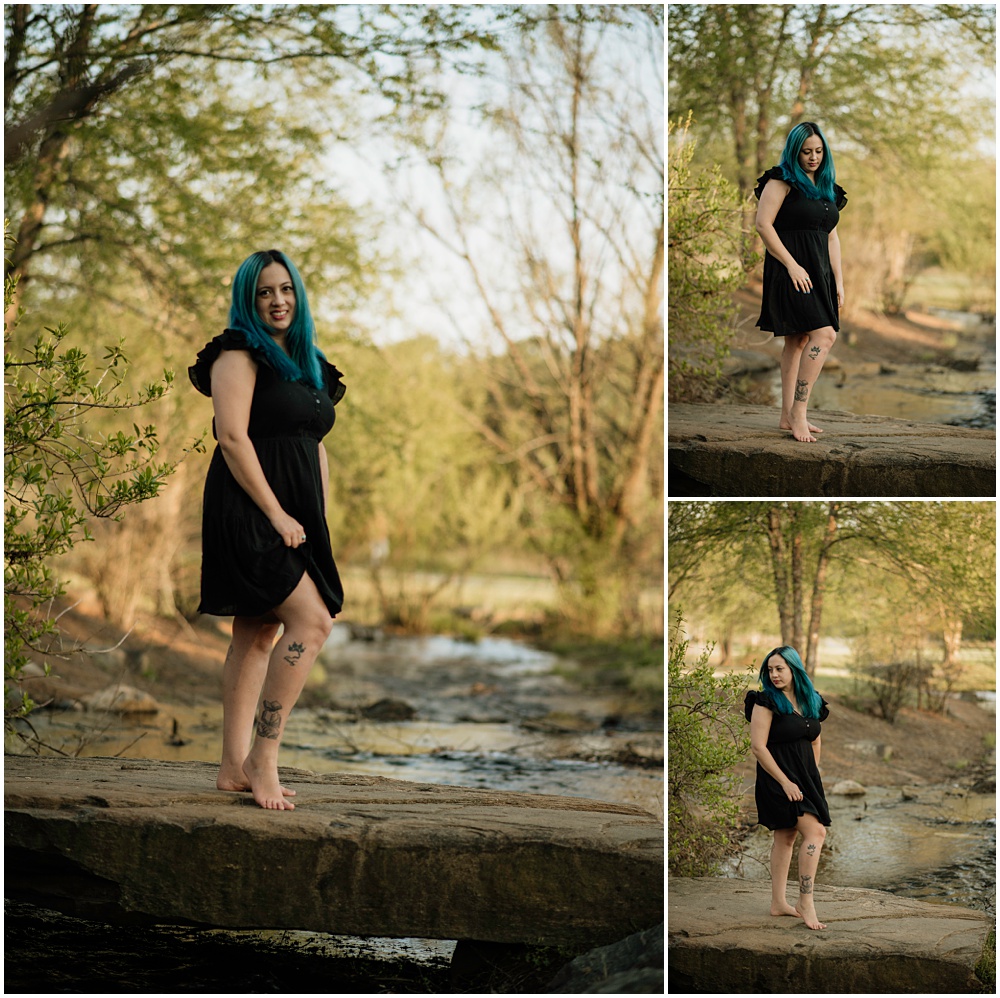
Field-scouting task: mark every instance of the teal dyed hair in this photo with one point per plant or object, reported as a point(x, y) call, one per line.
point(304, 362)
point(822, 187)
point(809, 700)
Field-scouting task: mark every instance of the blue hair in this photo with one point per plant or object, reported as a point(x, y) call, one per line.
point(809, 700)
point(823, 186)
point(304, 362)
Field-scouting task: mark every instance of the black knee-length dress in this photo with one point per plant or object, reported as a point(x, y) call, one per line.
point(790, 743)
point(246, 568)
point(803, 226)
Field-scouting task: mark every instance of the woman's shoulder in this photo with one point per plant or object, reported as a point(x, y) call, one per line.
point(775, 173)
point(759, 698)
point(824, 710)
point(334, 380)
point(839, 196)
point(200, 372)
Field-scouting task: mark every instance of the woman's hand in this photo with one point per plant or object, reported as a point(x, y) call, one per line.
point(792, 791)
point(800, 279)
point(840, 296)
point(292, 532)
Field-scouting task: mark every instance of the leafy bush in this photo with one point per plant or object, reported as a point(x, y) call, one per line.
point(706, 737)
point(59, 470)
point(708, 261)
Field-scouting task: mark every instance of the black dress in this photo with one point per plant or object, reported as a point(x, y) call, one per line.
point(246, 568)
point(790, 743)
point(803, 226)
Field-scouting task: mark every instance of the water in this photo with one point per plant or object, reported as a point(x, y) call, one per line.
point(491, 714)
point(933, 843)
point(919, 392)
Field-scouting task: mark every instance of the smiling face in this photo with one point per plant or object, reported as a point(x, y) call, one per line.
point(780, 673)
point(811, 155)
point(275, 297)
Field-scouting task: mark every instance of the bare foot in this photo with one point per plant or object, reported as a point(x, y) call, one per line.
point(784, 908)
point(236, 781)
point(808, 915)
point(800, 430)
point(266, 789)
point(786, 424)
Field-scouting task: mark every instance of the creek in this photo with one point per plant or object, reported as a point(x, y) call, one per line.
point(922, 392)
point(934, 843)
point(495, 714)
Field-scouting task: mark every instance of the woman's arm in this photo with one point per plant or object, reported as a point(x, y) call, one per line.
point(835, 266)
point(760, 727)
point(234, 375)
point(771, 199)
point(816, 749)
point(324, 473)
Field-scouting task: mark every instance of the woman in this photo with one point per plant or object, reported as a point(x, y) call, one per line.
point(785, 738)
point(803, 280)
point(266, 558)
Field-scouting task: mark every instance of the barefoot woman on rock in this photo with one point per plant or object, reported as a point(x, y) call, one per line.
point(803, 282)
point(785, 738)
point(266, 558)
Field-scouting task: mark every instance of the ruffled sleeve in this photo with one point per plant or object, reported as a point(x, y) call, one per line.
point(756, 697)
point(824, 711)
point(200, 372)
point(840, 196)
point(334, 381)
point(775, 173)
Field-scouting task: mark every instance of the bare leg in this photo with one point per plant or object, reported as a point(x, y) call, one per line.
point(813, 836)
point(791, 354)
point(242, 680)
point(781, 859)
point(810, 365)
point(307, 624)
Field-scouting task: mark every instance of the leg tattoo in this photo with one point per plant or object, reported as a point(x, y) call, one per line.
point(811, 848)
point(805, 885)
point(270, 720)
point(814, 352)
point(801, 391)
point(295, 651)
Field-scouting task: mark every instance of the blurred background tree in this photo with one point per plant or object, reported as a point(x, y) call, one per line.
point(150, 148)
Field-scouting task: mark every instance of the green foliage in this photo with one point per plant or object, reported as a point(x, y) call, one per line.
point(706, 738)
point(986, 965)
point(58, 472)
point(707, 262)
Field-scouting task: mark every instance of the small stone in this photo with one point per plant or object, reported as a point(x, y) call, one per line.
point(122, 700)
point(388, 709)
point(848, 788)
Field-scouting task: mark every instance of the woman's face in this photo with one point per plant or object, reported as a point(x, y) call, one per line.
point(779, 672)
point(275, 297)
point(811, 154)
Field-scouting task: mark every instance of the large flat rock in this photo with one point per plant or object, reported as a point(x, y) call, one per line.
point(738, 450)
point(359, 855)
point(722, 938)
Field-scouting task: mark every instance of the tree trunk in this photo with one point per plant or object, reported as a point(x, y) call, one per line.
point(951, 636)
point(819, 589)
point(797, 595)
point(779, 565)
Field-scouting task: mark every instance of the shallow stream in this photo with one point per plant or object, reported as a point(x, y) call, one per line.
point(492, 713)
point(932, 843)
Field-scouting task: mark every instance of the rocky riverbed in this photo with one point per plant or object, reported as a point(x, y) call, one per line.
point(495, 714)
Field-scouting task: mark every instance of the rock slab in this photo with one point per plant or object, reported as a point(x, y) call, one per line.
point(738, 450)
point(359, 855)
point(722, 938)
